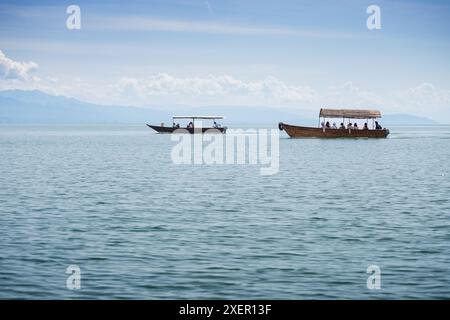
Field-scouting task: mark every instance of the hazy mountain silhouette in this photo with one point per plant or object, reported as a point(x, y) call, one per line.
point(17, 106)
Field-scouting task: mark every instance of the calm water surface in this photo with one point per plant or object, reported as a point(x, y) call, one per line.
point(110, 200)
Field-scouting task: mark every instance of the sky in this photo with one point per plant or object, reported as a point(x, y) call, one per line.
point(290, 54)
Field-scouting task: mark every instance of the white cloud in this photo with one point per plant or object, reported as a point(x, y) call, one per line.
point(15, 70)
point(348, 95)
point(424, 99)
point(426, 94)
point(222, 89)
point(209, 7)
point(145, 23)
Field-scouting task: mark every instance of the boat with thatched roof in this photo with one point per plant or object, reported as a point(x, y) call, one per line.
point(328, 132)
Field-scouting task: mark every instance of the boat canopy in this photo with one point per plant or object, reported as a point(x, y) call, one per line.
point(350, 113)
point(198, 117)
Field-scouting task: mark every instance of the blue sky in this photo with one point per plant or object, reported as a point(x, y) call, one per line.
point(296, 54)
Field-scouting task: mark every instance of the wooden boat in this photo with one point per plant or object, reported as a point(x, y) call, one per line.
point(191, 129)
point(311, 132)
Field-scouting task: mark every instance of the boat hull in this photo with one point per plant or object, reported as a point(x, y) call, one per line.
point(309, 132)
point(160, 129)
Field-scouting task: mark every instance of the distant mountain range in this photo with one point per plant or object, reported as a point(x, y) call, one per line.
point(18, 106)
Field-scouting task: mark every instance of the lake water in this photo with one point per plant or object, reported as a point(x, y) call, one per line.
point(108, 199)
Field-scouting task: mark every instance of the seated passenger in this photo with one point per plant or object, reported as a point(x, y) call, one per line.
point(349, 126)
point(327, 125)
point(378, 126)
point(334, 125)
point(322, 124)
point(355, 126)
point(365, 126)
point(342, 126)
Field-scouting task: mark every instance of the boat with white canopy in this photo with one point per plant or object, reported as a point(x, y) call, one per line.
point(193, 126)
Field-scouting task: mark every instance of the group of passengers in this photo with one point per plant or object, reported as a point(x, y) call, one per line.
point(191, 125)
point(354, 126)
point(177, 125)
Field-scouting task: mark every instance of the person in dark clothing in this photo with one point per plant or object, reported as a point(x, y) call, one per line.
point(378, 126)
